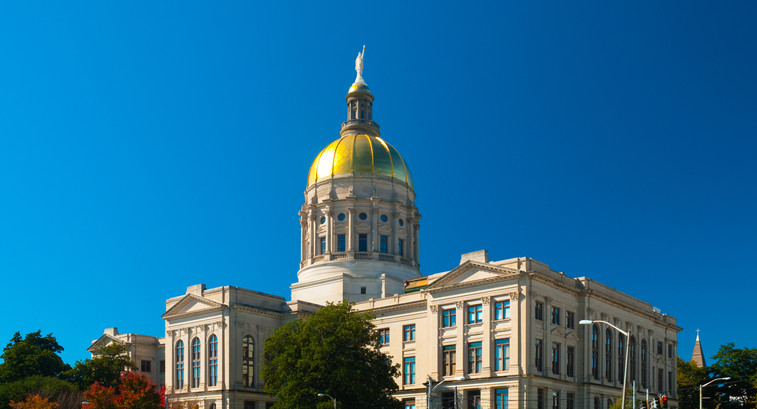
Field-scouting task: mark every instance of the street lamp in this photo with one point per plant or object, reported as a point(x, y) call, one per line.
point(323, 395)
point(430, 390)
point(625, 366)
point(702, 386)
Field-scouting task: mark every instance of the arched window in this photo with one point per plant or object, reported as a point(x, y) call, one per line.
point(595, 351)
point(212, 405)
point(213, 362)
point(248, 360)
point(596, 403)
point(621, 357)
point(179, 365)
point(632, 359)
point(643, 363)
point(196, 362)
point(608, 355)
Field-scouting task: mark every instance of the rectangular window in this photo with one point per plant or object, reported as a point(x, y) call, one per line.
point(475, 313)
point(555, 399)
point(660, 380)
point(363, 290)
point(538, 353)
point(384, 244)
point(671, 383)
point(248, 404)
point(474, 400)
point(659, 347)
point(539, 311)
point(556, 315)
point(500, 398)
point(501, 354)
point(408, 332)
point(540, 398)
point(556, 358)
point(474, 357)
point(502, 310)
point(448, 400)
point(570, 400)
point(409, 371)
point(570, 320)
point(146, 366)
point(570, 352)
point(341, 245)
point(409, 403)
point(448, 318)
point(448, 360)
point(670, 350)
point(383, 336)
point(162, 366)
point(362, 242)
point(323, 245)
point(401, 247)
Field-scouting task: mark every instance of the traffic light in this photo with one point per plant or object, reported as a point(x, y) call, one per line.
point(664, 401)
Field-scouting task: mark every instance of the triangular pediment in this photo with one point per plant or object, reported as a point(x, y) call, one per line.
point(472, 273)
point(192, 304)
point(103, 341)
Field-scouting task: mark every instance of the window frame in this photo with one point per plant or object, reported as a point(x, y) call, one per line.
point(555, 358)
point(475, 313)
point(179, 364)
point(501, 354)
point(502, 310)
point(408, 370)
point(196, 362)
point(384, 338)
point(475, 357)
point(408, 332)
point(449, 364)
point(213, 360)
point(248, 361)
point(555, 315)
point(449, 317)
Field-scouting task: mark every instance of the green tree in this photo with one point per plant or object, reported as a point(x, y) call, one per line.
point(32, 355)
point(104, 368)
point(689, 377)
point(64, 393)
point(335, 351)
point(741, 365)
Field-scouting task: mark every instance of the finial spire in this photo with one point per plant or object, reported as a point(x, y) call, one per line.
point(359, 66)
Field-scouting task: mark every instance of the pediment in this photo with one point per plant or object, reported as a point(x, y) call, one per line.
point(472, 273)
point(103, 341)
point(192, 304)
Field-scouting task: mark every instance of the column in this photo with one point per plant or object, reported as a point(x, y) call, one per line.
point(432, 338)
point(350, 230)
point(486, 345)
point(460, 350)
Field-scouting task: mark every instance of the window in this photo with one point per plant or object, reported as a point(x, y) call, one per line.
point(671, 383)
point(212, 406)
point(408, 332)
point(632, 359)
point(570, 320)
point(448, 318)
point(555, 399)
point(248, 404)
point(340, 217)
point(539, 311)
point(475, 313)
point(660, 380)
point(383, 336)
point(643, 363)
point(341, 246)
point(659, 347)
point(556, 358)
point(595, 351)
point(556, 315)
point(448, 360)
point(248, 361)
point(501, 354)
point(145, 366)
point(363, 290)
point(474, 357)
point(401, 247)
point(448, 400)
point(500, 398)
point(570, 362)
point(540, 398)
point(384, 244)
point(196, 362)
point(162, 366)
point(596, 403)
point(474, 399)
point(409, 371)
point(538, 354)
point(383, 218)
point(362, 242)
point(608, 355)
point(213, 360)
point(323, 245)
point(670, 350)
point(323, 219)
point(179, 364)
point(502, 310)
point(409, 403)
point(570, 400)
point(362, 216)
point(621, 358)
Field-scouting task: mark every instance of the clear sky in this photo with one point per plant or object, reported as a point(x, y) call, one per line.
point(149, 146)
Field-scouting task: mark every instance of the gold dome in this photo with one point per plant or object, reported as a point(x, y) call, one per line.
point(359, 155)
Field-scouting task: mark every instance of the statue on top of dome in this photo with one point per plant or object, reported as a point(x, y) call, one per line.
point(359, 66)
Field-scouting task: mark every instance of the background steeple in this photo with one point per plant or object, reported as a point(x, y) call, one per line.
point(698, 355)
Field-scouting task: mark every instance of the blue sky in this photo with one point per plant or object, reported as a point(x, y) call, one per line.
point(149, 146)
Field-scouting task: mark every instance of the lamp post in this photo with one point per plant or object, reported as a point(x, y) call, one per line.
point(702, 386)
point(625, 365)
point(430, 390)
point(323, 395)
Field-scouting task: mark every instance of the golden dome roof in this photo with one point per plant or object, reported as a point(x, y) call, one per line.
point(359, 155)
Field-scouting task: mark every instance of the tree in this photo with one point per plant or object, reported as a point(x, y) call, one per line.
point(741, 366)
point(689, 377)
point(105, 367)
point(64, 393)
point(32, 355)
point(34, 402)
point(335, 351)
point(133, 392)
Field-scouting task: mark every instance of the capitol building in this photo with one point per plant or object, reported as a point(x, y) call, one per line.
point(485, 334)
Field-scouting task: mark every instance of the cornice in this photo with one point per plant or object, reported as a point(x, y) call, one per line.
point(395, 307)
point(258, 311)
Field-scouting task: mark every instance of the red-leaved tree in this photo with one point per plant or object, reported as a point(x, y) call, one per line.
point(134, 392)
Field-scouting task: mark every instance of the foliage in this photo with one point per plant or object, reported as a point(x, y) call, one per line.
point(689, 377)
point(105, 367)
point(34, 402)
point(335, 351)
point(32, 355)
point(741, 366)
point(47, 387)
point(133, 392)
